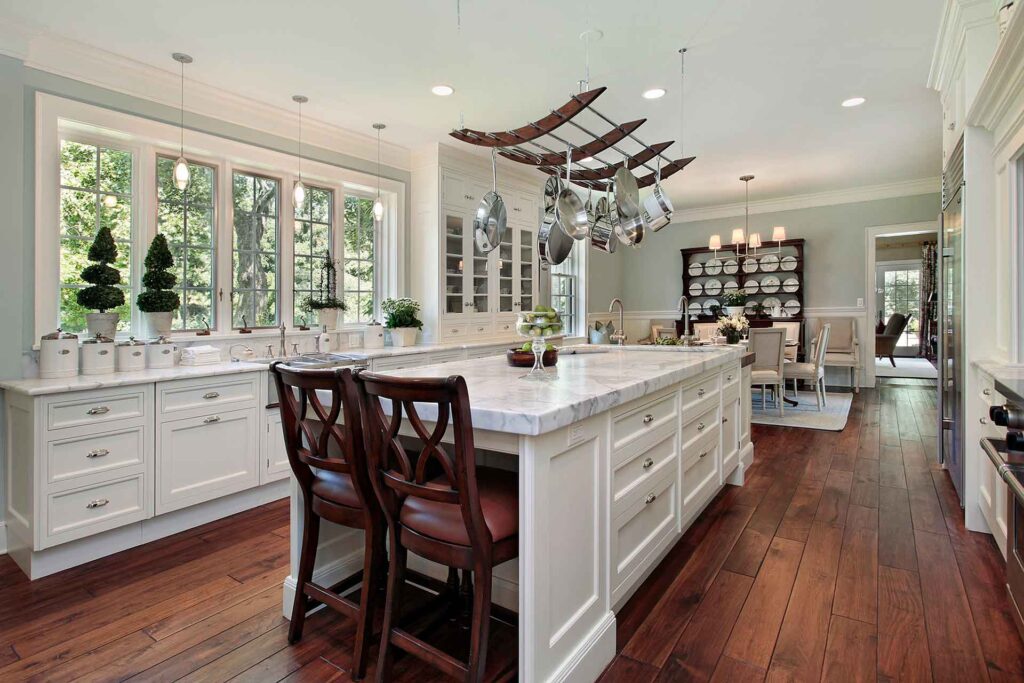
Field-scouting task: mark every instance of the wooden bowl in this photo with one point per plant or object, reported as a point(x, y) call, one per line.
point(524, 359)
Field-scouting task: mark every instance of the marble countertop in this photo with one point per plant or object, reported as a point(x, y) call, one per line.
point(1009, 378)
point(39, 387)
point(586, 384)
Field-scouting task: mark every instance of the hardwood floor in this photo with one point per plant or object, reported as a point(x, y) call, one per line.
point(844, 557)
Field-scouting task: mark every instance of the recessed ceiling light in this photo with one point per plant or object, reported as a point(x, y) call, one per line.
point(586, 160)
point(854, 102)
point(442, 90)
point(654, 93)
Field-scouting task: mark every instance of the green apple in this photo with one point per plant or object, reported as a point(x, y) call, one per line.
point(528, 346)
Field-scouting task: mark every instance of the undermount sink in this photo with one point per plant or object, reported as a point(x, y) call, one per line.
point(315, 360)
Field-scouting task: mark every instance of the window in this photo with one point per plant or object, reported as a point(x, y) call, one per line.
point(254, 257)
point(360, 247)
point(313, 238)
point(186, 218)
point(95, 191)
point(565, 283)
point(901, 293)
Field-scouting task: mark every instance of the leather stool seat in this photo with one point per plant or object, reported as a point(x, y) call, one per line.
point(337, 488)
point(499, 501)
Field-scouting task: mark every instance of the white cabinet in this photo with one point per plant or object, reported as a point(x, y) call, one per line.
point(993, 494)
point(274, 458)
point(205, 457)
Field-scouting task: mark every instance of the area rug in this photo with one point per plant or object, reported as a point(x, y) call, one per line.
point(919, 368)
point(832, 417)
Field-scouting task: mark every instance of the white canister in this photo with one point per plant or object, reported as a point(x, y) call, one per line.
point(97, 355)
point(131, 355)
point(58, 355)
point(373, 337)
point(160, 353)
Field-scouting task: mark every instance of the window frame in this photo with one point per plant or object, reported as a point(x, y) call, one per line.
point(278, 271)
point(375, 315)
point(332, 247)
point(578, 258)
point(57, 118)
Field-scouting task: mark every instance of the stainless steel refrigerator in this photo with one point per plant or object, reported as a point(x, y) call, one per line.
point(951, 318)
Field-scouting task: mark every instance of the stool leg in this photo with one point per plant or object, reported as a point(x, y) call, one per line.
point(481, 624)
point(307, 556)
point(372, 574)
point(392, 605)
point(466, 598)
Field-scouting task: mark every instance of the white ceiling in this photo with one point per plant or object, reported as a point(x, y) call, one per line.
point(763, 84)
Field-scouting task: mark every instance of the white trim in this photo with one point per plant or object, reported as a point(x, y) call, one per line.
point(948, 54)
point(145, 138)
point(997, 103)
point(906, 188)
point(69, 58)
point(3, 537)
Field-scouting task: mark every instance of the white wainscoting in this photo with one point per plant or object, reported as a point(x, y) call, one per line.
point(3, 538)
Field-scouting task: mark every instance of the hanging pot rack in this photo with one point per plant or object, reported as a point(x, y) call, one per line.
point(512, 145)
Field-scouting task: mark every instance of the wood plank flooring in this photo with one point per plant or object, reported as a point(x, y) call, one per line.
point(844, 557)
point(853, 564)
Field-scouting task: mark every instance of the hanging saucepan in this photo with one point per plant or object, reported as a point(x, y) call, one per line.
point(629, 227)
point(552, 188)
point(570, 210)
point(491, 216)
point(602, 234)
point(657, 209)
point(553, 245)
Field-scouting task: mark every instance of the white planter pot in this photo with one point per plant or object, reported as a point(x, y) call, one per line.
point(159, 323)
point(102, 323)
point(329, 317)
point(403, 336)
point(733, 310)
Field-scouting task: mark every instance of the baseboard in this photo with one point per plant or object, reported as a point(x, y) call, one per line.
point(331, 573)
point(3, 538)
point(591, 657)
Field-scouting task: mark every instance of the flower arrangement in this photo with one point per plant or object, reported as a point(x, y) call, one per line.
point(737, 298)
point(733, 327)
point(326, 295)
point(401, 313)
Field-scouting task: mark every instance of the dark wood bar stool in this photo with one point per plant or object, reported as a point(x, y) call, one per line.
point(338, 490)
point(466, 518)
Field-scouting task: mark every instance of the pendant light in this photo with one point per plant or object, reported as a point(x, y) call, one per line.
point(181, 172)
point(378, 204)
point(299, 190)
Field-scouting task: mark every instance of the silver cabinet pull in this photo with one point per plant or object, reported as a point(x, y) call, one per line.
point(98, 410)
point(648, 463)
point(983, 420)
point(63, 352)
point(211, 394)
point(724, 420)
point(701, 427)
point(211, 419)
point(651, 497)
point(987, 392)
point(98, 453)
point(728, 378)
point(701, 456)
point(648, 418)
point(701, 392)
point(98, 503)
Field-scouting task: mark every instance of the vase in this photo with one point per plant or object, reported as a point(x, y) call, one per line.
point(403, 336)
point(732, 337)
point(733, 310)
point(159, 323)
point(328, 317)
point(102, 324)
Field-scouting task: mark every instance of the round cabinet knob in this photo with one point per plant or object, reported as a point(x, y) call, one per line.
point(648, 463)
point(987, 392)
point(651, 497)
point(983, 420)
point(648, 419)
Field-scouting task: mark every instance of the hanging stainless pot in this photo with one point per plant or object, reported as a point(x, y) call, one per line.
point(657, 207)
point(602, 234)
point(570, 210)
point(630, 231)
point(491, 216)
point(553, 245)
point(627, 194)
point(552, 188)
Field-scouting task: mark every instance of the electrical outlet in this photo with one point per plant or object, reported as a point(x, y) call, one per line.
point(860, 302)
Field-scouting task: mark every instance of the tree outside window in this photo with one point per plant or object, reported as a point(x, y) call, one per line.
point(360, 246)
point(95, 192)
point(902, 294)
point(313, 237)
point(254, 256)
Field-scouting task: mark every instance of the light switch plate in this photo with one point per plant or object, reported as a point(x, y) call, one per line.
point(860, 302)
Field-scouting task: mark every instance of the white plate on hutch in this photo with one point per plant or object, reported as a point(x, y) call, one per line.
point(789, 262)
point(712, 287)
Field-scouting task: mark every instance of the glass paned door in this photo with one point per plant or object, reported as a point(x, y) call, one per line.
point(900, 292)
point(481, 278)
point(506, 284)
point(526, 270)
point(454, 265)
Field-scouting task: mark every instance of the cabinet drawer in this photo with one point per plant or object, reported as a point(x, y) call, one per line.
point(397, 362)
point(505, 327)
point(731, 376)
point(633, 474)
point(705, 389)
point(83, 455)
point(443, 357)
point(638, 531)
point(699, 427)
point(480, 328)
point(202, 458)
point(81, 512)
point(454, 330)
point(178, 397)
point(96, 408)
point(700, 471)
point(642, 419)
point(487, 351)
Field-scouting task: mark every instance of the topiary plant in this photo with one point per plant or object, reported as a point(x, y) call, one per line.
point(103, 293)
point(159, 282)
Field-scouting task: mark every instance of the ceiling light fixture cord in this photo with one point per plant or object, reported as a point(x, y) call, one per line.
point(682, 100)
point(300, 141)
point(378, 163)
point(181, 111)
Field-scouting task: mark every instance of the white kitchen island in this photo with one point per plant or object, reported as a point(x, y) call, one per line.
point(616, 458)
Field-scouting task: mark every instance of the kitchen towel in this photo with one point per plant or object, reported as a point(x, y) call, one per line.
point(200, 355)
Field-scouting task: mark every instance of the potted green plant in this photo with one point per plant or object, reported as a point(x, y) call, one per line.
point(159, 301)
point(325, 301)
point(732, 328)
point(400, 318)
point(102, 294)
point(734, 302)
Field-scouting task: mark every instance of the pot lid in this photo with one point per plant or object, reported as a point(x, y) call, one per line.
point(161, 340)
point(99, 339)
point(132, 341)
point(60, 334)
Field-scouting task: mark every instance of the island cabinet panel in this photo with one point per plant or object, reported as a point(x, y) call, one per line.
point(185, 396)
point(638, 466)
point(640, 531)
point(206, 457)
point(91, 509)
point(732, 415)
point(89, 454)
point(102, 407)
point(275, 463)
point(644, 418)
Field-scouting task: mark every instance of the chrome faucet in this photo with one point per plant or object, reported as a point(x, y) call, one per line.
point(619, 337)
point(282, 351)
point(684, 310)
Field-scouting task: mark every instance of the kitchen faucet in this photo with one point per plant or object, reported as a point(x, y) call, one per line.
point(684, 310)
point(282, 351)
point(619, 337)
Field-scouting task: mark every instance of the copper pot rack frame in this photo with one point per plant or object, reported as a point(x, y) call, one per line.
point(522, 145)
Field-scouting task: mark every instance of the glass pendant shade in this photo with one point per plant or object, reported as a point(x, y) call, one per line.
point(715, 242)
point(778, 234)
point(299, 193)
point(738, 237)
point(181, 173)
point(378, 210)
point(755, 240)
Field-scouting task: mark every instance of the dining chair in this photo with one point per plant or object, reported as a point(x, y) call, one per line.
point(705, 331)
point(792, 328)
point(843, 350)
point(813, 371)
point(466, 517)
point(325, 447)
point(769, 347)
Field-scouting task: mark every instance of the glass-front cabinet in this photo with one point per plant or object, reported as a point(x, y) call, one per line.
point(526, 280)
point(454, 246)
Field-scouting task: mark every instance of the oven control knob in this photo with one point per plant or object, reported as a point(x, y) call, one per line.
point(1014, 441)
point(999, 415)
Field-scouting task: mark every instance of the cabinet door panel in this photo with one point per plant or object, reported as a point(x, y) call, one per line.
point(525, 283)
point(275, 463)
point(453, 266)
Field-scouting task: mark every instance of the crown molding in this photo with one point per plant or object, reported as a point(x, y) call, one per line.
point(998, 100)
point(82, 62)
point(950, 44)
point(906, 188)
